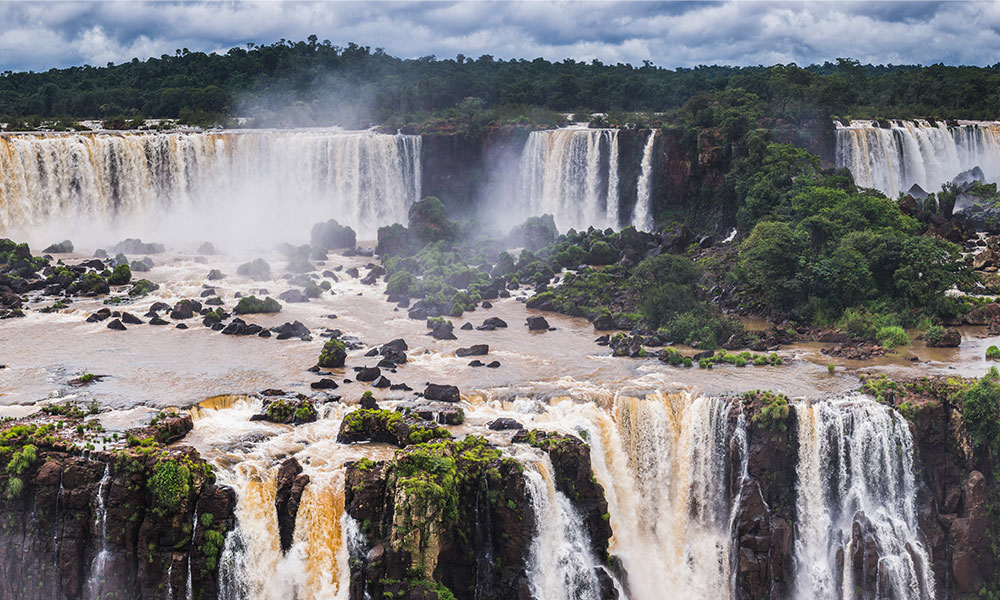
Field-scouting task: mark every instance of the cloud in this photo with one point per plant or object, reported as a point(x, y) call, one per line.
point(42, 35)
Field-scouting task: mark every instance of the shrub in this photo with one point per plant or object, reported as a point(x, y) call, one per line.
point(981, 411)
point(993, 353)
point(934, 335)
point(170, 484)
point(121, 275)
point(892, 336)
point(831, 368)
point(251, 305)
point(142, 287)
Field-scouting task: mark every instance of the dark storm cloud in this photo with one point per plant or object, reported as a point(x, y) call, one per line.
point(40, 35)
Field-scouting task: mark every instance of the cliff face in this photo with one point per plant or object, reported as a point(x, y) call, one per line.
point(116, 524)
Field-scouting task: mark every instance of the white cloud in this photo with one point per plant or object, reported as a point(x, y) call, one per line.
point(40, 35)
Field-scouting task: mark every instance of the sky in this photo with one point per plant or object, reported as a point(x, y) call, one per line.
point(41, 35)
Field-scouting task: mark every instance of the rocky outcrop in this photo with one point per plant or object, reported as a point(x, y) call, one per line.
point(454, 515)
point(116, 524)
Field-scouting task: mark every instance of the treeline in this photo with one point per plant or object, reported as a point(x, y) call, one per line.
point(313, 82)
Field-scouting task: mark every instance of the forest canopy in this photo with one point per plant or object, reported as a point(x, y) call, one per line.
point(314, 82)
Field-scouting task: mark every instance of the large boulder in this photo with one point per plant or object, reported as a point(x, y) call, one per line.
point(332, 235)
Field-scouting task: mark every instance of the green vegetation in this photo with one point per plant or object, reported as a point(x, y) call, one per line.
point(18, 464)
point(981, 411)
point(818, 246)
point(142, 287)
point(774, 409)
point(121, 275)
point(993, 353)
point(252, 305)
point(892, 337)
point(170, 485)
point(333, 354)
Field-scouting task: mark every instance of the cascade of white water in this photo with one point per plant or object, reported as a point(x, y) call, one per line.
point(663, 461)
point(563, 174)
point(95, 582)
point(266, 181)
point(642, 214)
point(189, 586)
point(916, 152)
point(855, 478)
point(561, 565)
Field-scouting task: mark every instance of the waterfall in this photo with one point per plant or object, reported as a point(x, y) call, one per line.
point(561, 565)
point(238, 183)
point(572, 174)
point(95, 582)
point(642, 217)
point(189, 586)
point(856, 495)
point(252, 565)
point(664, 462)
point(916, 152)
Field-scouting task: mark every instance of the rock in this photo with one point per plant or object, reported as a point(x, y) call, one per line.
point(290, 330)
point(139, 266)
point(475, 350)
point(605, 322)
point(240, 327)
point(442, 393)
point(387, 427)
point(158, 321)
point(373, 275)
point(951, 338)
point(493, 365)
point(185, 309)
point(131, 319)
point(100, 253)
point(64, 247)
point(293, 296)
point(476, 363)
point(492, 323)
point(442, 330)
point(215, 275)
point(331, 235)
point(290, 484)
point(206, 248)
point(537, 324)
point(99, 316)
point(116, 325)
point(257, 270)
point(137, 246)
point(368, 401)
point(466, 327)
point(382, 382)
point(504, 424)
point(369, 374)
point(264, 333)
point(324, 384)
point(352, 272)
point(181, 326)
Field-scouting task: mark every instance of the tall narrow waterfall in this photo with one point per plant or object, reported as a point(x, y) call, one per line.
point(561, 565)
point(95, 581)
point(664, 461)
point(856, 504)
point(244, 183)
point(642, 214)
point(568, 173)
point(916, 152)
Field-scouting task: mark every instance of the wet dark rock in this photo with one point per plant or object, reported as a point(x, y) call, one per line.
point(487, 304)
point(116, 325)
point(206, 248)
point(157, 321)
point(537, 324)
point(185, 309)
point(264, 333)
point(397, 387)
point(100, 253)
point(215, 275)
point(475, 350)
point(373, 275)
point(352, 272)
point(214, 301)
point(181, 326)
point(492, 323)
point(324, 384)
point(493, 365)
point(504, 424)
point(290, 330)
point(382, 382)
point(159, 306)
point(368, 402)
point(131, 319)
point(99, 316)
point(387, 427)
point(290, 483)
point(139, 266)
point(240, 327)
point(369, 374)
point(441, 330)
point(442, 393)
point(476, 363)
point(467, 327)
